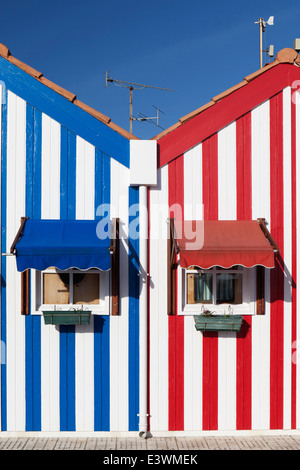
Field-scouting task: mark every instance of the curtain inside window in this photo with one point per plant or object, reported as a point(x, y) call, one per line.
point(203, 285)
point(229, 288)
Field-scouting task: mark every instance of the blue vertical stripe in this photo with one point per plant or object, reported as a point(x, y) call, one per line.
point(67, 377)
point(133, 327)
point(67, 174)
point(67, 333)
point(33, 323)
point(3, 258)
point(101, 323)
point(101, 373)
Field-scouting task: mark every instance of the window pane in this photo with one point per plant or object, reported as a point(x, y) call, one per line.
point(55, 288)
point(199, 288)
point(229, 288)
point(86, 289)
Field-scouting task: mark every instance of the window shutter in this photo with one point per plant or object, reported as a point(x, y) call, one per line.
point(115, 268)
point(260, 290)
point(25, 292)
point(172, 270)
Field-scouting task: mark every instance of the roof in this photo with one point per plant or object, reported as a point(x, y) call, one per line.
point(6, 54)
point(232, 103)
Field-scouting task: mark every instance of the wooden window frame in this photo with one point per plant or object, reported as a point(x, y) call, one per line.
point(248, 307)
point(25, 292)
point(103, 308)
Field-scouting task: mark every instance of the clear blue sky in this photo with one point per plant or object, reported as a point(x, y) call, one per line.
point(198, 48)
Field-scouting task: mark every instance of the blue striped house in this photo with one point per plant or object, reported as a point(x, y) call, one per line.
point(62, 160)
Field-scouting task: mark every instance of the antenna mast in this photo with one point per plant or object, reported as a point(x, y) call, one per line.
point(262, 26)
point(132, 86)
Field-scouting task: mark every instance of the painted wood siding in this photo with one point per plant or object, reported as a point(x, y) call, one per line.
point(67, 378)
point(231, 381)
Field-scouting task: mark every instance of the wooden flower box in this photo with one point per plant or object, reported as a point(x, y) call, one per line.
point(67, 317)
point(218, 322)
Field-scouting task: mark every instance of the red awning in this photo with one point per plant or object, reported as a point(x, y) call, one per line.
point(224, 243)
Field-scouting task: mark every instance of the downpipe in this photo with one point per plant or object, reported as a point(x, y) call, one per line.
point(143, 324)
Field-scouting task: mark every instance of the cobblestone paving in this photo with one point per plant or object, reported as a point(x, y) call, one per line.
point(286, 442)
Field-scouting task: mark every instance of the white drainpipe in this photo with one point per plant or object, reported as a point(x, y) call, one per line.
point(143, 249)
point(143, 173)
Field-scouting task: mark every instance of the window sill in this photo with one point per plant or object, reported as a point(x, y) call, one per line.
point(92, 308)
point(246, 309)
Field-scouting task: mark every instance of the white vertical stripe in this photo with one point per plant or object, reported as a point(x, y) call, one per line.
point(227, 341)
point(226, 380)
point(296, 350)
point(85, 180)
point(16, 165)
point(227, 172)
point(260, 143)
point(84, 337)
point(2, 351)
point(192, 339)
point(193, 373)
point(84, 363)
point(50, 168)
point(50, 209)
point(119, 324)
point(287, 250)
point(193, 184)
point(50, 415)
point(159, 406)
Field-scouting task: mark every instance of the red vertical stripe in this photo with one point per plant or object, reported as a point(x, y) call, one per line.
point(277, 279)
point(210, 340)
point(294, 265)
point(176, 323)
point(244, 212)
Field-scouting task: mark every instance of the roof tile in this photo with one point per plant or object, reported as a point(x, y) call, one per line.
point(25, 67)
point(67, 94)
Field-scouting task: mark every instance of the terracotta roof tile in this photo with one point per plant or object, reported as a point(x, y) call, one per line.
point(197, 111)
point(92, 111)
point(287, 55)
point(261, 71)
point(67, 94)
point(25, 67)
point(229, 91)
point(5, 53)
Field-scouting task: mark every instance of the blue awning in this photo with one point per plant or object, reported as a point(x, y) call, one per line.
point(62, 244)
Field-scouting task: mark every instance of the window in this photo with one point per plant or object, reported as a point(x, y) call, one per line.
point(217, 289)
point(71, 288)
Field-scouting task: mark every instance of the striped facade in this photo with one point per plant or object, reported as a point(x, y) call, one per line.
point(246, 169)
point(61, 163)
point(236, 160)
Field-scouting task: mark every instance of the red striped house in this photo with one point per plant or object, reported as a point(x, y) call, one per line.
point(236, 158)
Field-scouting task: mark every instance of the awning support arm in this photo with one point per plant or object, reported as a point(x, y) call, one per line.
point(19, 234)
point(262, 224)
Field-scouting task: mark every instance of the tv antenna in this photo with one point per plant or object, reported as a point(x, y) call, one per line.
point(262, 27)
point(142, 117)
point(134, 86)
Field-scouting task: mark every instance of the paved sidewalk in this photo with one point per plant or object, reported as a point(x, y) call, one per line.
point(182, 444)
